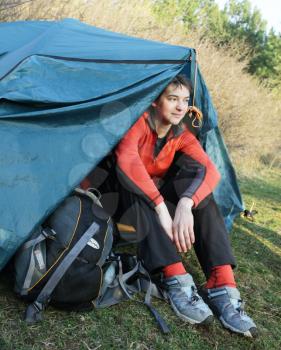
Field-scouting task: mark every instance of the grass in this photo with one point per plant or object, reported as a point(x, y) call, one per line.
point(130, 326)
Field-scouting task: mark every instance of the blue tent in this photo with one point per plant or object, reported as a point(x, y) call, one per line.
point(68, 93)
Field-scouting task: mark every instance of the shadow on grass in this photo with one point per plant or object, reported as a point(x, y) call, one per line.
point(258, 245)
point(260, 189)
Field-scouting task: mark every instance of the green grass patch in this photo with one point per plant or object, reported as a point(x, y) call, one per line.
point(257, 246)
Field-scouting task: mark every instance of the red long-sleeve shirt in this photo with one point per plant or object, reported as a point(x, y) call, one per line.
point(138, 167)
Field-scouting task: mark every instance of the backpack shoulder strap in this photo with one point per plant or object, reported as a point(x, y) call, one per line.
point(34, 311)
point(142, 283)
point(147, 300)
point(44, 233)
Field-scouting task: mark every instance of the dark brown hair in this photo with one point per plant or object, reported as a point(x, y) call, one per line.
point(181, 79)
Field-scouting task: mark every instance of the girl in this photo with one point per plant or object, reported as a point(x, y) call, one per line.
point(160, 181)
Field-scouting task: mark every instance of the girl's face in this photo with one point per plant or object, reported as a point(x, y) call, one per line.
point(172, 105)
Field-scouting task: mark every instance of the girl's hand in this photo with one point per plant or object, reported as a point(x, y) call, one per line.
point(183, 225)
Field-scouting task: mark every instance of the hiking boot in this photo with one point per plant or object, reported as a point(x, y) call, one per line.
point(229, 308)
point(184, 299)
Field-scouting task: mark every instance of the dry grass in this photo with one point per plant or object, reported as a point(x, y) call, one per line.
point(248, 113)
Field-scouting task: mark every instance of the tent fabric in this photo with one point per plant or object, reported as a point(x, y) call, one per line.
point(68, 93)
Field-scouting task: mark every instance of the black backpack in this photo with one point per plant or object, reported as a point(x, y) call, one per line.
point(68, 262)
point(62, 261)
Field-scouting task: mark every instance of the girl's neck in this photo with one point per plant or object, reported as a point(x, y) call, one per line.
point(161, 129)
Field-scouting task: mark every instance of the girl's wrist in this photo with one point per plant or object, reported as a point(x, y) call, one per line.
point(186, 201)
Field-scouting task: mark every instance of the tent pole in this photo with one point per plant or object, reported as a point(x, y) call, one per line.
point(195, 81)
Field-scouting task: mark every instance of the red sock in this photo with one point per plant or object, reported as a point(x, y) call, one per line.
point(221, 276)
point(174, 269)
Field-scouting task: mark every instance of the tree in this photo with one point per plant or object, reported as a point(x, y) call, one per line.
point(245, 24)
point(193, 14)
point(267, 62)
point(236, 23)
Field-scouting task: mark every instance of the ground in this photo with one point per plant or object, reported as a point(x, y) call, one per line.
point(257, 246)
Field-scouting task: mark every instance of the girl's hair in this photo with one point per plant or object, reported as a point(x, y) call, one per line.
point(179, 80)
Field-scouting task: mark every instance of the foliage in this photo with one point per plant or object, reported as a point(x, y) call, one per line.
point(237, 22)
point(245, 24)
point(193, 14)
point(267, 62)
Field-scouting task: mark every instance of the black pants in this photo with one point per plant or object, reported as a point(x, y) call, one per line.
point(155, 248)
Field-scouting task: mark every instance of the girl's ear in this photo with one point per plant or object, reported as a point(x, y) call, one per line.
point(154, 104)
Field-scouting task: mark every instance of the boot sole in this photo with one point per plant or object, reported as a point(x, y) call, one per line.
point(250, 333)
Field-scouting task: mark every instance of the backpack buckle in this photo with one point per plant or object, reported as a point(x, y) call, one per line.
point(48, 232)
